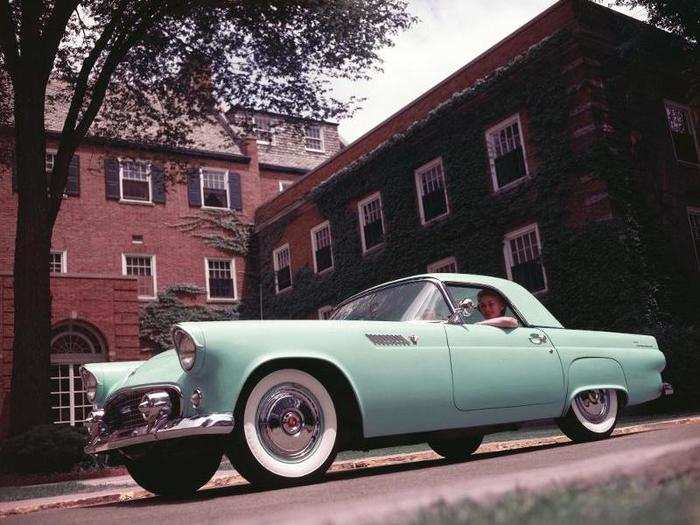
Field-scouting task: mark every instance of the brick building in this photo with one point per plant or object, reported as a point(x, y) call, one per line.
point(563, 158)
point(507, 168)
point(116, 243)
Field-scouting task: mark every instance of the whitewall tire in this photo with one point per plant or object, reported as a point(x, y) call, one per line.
point(593, 415)
point(288, 430)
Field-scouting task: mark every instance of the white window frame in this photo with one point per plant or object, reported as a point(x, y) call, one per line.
point(276, 268)
point(323, 310)
point(64, 260)
point(268, 130)
point(691, 210)
point(508, 255)
point(491, 151)
point(281, 183)
point(153, 271)
point(53, 153)
point(226, 187)
point(320, 137)
point(324, 224)
point(121, 178)
point(433, 267)
point(693, 129)
point(418, 179)
point(361, 218)
point(233, 277)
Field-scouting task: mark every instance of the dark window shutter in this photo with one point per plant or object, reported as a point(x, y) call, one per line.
point(73, 182)
point(194, 194)
point(112, 179)
point(158, 183)
point(234, 191)
point(510, 167)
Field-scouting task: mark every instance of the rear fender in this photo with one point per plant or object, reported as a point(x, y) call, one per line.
point(591, 373)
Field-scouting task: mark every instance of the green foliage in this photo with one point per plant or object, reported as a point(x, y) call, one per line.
point(45, 449)
point(221, 229)
point(156, 318)
point(618, 274)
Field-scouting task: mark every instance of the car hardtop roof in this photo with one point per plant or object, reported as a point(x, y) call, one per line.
point(532, 310)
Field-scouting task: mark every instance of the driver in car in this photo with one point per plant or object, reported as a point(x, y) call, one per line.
point(493, 307)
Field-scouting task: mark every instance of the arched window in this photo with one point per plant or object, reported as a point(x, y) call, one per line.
point(73, 343)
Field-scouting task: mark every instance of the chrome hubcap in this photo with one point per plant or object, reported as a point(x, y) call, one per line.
point(289, 421)
point(594, 405)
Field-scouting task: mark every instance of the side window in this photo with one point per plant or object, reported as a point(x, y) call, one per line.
point(489, 302)
point(680, 124)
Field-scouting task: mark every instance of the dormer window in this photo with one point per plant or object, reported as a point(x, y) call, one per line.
point(313, 137)
point(263, 129)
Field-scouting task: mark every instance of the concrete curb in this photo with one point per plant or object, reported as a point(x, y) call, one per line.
point(225, 480)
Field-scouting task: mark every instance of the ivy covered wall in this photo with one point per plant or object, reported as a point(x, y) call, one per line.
point(618, 274)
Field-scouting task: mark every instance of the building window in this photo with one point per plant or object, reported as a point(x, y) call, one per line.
point(448, 265)
point(694, 220)
point(506, 151)
point(282, 261)
point(325, 312)
point(432, 195)
point(215, 189)
point(263, 129)
point(321, 244)
point(680, 124)
point(371, 222)
point(69, 405)
point(313, 137)
point(143, 267)
point(221, 282)
point(284, 184)
point(135, 180)
point(57, 262)
point(522, 252)
point(49, 161)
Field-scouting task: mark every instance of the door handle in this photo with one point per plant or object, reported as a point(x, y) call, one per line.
point(538, 339)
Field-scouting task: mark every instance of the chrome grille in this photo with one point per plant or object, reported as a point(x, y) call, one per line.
point(122, 411)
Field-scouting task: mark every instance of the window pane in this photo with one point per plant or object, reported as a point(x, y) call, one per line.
point(313, 137)
point(141, 268)
point(215, 189)
point(525, 264)
point(432, 192)
point(56, 262)
point(220, 279)
point(407, 302)
point(262, 129)
point(135, 180)
point(683, 133)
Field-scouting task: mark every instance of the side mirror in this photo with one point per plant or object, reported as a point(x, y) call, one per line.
point(467, 307)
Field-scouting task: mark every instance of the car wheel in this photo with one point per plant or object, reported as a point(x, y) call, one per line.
point(592, 415)
point(176, 471)
point(456, 449)
point(288, 431)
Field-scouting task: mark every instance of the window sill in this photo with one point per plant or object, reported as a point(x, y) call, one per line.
point(325, 272)
point(436, 220)
point(514, 184)
point(137, 203)
point(688, 164)
point(216, 208)
point(286, 290)
point(144, 299)
point(373, 250)
point(222, 300)
point(311, 150)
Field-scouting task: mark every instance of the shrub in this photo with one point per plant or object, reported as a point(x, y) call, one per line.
point(45, 449)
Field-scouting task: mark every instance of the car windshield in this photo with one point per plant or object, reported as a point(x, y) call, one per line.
point(414, 301)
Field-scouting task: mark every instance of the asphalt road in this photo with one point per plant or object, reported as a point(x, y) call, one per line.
point(374, 494)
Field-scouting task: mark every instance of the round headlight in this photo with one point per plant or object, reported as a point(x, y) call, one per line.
point(186, 349)
point(89, 384)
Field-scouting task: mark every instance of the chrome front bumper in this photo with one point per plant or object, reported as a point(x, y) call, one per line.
point(211, 424)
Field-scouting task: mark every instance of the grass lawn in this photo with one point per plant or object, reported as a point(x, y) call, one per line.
point(52, 489)
point(675, 501)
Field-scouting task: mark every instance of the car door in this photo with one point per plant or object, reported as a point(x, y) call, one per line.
point(501, 368)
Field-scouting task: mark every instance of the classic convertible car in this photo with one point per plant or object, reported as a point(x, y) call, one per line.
point(407, 362)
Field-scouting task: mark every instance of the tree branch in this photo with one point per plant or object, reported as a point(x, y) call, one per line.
point(55, 29)
point(8, 38)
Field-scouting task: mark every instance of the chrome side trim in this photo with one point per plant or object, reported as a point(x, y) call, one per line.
point(174, 428)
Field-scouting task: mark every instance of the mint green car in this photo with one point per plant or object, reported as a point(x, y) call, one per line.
point(410, 361)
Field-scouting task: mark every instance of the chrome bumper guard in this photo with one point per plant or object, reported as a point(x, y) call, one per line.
point(210, 424)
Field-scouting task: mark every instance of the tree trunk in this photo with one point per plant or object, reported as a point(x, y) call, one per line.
point(29, 396)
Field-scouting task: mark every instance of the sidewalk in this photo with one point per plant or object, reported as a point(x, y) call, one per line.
point(21, 500)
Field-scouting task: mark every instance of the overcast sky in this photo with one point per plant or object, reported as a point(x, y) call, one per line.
point(449, 34)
